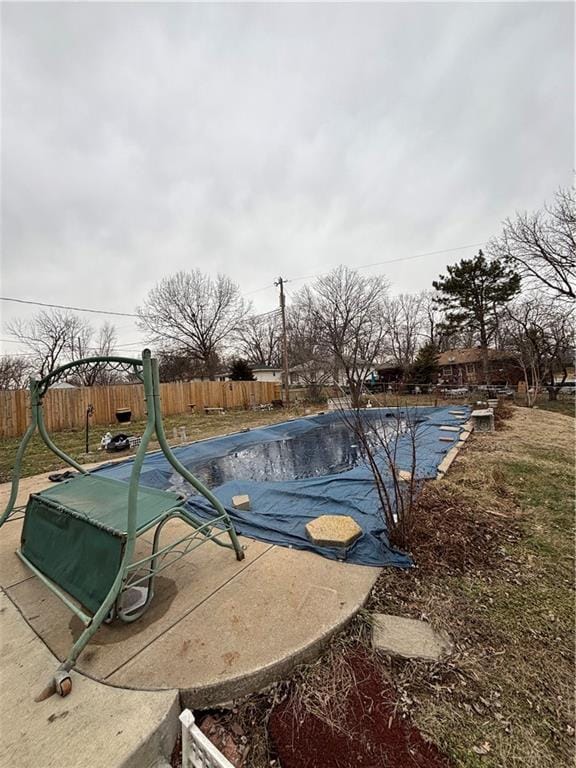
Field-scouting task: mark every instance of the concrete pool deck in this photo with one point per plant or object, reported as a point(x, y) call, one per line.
point(216, 630)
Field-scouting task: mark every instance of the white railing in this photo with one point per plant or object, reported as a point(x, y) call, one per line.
point(197, 749)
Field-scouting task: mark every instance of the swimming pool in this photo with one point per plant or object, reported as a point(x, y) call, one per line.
point(299, 469)
point(329, 447)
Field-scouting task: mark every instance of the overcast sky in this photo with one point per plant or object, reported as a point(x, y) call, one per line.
point(258, 140)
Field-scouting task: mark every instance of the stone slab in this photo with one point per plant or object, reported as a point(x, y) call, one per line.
point(275, 614)
point(404, 475)
point(409, 638)
point(96, 725)
point(333, 530)
point(447, 428)
point(242, 501)
point(447, 461)
point(179, 589)
point(483, 420)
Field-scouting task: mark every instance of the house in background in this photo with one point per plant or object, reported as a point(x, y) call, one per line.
point(389, 374)
point(461, 367)
point(316, 372)
point(260, 373)
point(267, 373)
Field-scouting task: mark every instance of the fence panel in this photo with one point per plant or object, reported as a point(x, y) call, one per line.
point(66, 408)
point(197, 749)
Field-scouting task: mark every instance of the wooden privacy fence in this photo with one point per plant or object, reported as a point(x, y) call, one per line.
point(66, 408)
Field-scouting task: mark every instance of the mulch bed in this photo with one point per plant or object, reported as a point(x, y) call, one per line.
point(368, 735)
point(452, 535)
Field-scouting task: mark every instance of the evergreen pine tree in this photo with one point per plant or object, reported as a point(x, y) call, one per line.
point(473, 293)
point(241, 371)
point(425, 367)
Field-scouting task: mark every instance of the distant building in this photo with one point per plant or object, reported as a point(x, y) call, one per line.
point(462, 367)
point(267, 373)
point(389, 373)
point(63, 385)
point(315, 372)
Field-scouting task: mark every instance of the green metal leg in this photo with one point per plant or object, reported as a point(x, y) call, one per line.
point(54, 448)
point(16, 471)
point(181, 469)
point(119, 581)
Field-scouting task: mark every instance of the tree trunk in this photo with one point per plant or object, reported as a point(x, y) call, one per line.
point(552, 394)
point(484, 353)
point(355, 393)
point(485, 365)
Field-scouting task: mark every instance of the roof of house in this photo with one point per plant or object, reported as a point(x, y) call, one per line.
point(317, 364)
point(257, 367)
point(470, 355)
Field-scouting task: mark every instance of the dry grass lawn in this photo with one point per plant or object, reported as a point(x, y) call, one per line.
point(494, 551)
point(506, 698)
point(39, 459)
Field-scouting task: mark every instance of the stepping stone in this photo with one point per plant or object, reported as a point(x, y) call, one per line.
point(446, 428)
point(333, 530)
point(456, 413)
point(446, 439)
point(241, 502)
point(404, 475)
point(409, 638)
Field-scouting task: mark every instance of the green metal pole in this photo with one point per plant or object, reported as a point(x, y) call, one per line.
point(21, 450)
point(53, 447)
point(181, 469)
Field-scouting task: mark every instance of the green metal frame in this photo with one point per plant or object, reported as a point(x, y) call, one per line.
point(130, 573)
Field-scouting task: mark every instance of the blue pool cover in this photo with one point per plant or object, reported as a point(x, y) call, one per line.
point(300, 469)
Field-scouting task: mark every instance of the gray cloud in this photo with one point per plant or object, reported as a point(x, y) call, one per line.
point(138, 139)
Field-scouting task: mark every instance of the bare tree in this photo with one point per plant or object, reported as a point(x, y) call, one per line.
point(405, 323)
point(307, 351)
point(87, 344)
point(541, 338)
point(191, 311)
point(436, 331)
point(346, 309)
point(14, 371)
point(177, 365)
point(432, 317)
point(389, 447)
point(259, 339)
point(48, 336)
point(541, 246)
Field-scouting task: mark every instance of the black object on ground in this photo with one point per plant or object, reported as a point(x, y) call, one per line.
point(119, 442)
point(59, 477)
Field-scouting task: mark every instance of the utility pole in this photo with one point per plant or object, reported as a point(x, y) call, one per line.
point(280, 283)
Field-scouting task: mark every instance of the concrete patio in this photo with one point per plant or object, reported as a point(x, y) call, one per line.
point(217, 628)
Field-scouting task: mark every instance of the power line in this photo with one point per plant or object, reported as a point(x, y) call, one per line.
point(248, 293)
point(95, 311)
point(257, 290)
point(393, 261)
point(66, 306)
